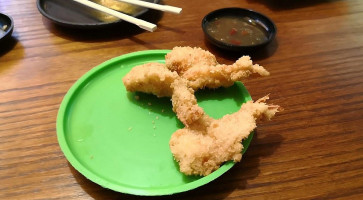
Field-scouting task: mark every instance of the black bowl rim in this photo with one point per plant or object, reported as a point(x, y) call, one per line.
point(84, 25)
point(10, 29)
point(239, 47)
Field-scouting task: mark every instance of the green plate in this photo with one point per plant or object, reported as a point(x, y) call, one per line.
point(122, 143)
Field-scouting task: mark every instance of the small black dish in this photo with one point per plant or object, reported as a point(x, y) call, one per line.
point(238, 29)
point(75, 15)
point(6, 27)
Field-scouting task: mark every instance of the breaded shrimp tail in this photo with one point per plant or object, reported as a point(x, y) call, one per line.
point(201, 151)
point(184, 102)
point(152, 78)
point(245, 62)
point(222, 75)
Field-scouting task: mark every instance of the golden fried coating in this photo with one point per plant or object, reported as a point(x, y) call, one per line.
point(184, 102)
point(201, 148)
point(156, 79)
point(222, 75)
point(198, 66)
point(180, 59)
point(152, 78)
point(204, 143)
point(201, 68)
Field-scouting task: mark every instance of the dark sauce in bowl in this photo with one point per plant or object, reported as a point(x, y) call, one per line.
point(238, 29)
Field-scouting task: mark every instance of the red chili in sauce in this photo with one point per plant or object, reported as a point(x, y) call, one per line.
point(237, 31)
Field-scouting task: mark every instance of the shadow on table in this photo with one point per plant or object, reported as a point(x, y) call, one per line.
point(256, 55)
point(236, 178)
point(7, 45)
point(106, 33)
point(289, 4)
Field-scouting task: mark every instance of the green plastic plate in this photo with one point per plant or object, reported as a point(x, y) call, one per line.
point(122, 143)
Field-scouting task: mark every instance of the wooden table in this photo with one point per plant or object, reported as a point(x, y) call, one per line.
point(311, 150)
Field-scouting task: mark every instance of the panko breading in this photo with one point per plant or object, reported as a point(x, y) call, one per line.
point(201, 68)
point(184, 102)
point(205, 143)
point(196, 65)
point(156, 79)
point(222, 75)
point(152, 78)
point(200, 151)
point(180, 59)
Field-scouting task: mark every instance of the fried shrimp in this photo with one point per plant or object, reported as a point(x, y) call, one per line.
point(200, 151)
point(152, 78)
point(204, 143)
point(180, 59)
point(201, 68)
point(156, 79)
point(184, 102)
point(222, 75)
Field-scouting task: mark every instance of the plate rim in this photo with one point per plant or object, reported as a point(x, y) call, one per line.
point(9, 31)
point(116, 187)
point(85, 25)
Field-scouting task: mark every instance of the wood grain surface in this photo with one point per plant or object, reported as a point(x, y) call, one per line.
point(311, 150)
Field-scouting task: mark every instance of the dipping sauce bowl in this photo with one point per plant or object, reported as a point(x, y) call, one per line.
point(238, 29)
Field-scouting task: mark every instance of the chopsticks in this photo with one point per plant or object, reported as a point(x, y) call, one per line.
point(140, 23)
point(154, 6)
